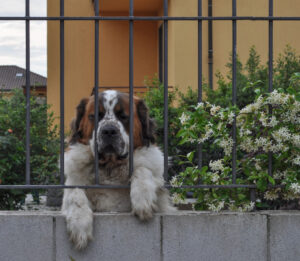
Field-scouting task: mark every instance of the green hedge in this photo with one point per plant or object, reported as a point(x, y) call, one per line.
point(252, 82)
point(44, 146)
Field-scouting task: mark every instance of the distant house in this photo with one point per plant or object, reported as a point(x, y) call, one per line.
point(14, 77)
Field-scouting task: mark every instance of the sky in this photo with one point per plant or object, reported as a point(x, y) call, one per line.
point(12, 35)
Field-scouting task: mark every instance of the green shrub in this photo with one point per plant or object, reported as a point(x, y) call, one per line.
point(44, 146)
point(253, 78)
point(252, 83)
point(258, 133)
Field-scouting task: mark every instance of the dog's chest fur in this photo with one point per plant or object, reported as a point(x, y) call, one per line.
point(117, 200)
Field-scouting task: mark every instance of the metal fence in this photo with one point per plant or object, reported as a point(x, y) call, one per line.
point(131, 18)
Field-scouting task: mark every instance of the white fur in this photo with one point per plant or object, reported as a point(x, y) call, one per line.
point(146, 194)
point(110, 99)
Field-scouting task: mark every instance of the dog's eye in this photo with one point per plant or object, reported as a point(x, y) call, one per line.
point(91, 117)
point(101, 115)
point(122, 116)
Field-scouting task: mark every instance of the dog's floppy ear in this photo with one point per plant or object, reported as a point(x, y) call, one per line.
point(75, 123)
point(148, 125)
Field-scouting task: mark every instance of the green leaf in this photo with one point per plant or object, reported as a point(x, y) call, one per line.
point(190, 156)
point(271, 180)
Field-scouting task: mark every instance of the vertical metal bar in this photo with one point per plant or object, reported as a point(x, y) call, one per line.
point(166, 120)
point(96, 89)
point(27, 93)
point(62, 92)
point(210, 45)
point(270, 156)
point(131, 87)
point(253, 197)
point(234, 91)
point(199, 72)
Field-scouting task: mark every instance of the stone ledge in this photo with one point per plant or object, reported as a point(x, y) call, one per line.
point(266, 235)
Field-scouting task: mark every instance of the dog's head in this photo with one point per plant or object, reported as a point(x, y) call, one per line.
point(112, 134)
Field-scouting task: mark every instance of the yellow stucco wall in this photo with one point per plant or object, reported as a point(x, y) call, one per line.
point(183, 36)
point(79, 54)
point(114, 44)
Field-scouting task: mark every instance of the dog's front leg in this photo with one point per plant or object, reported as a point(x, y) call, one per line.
point(143, 193)
point(79, 216)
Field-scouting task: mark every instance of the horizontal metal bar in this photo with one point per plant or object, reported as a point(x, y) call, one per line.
point(200, 186)
point(153, 18)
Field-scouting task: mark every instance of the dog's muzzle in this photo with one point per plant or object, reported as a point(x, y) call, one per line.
point(110, 144)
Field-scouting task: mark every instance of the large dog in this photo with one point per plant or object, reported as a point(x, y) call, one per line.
point(146, 194)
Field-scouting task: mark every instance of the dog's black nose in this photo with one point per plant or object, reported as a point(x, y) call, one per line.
point(109, 131)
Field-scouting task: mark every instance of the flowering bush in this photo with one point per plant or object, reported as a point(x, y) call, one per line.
point(271, 124)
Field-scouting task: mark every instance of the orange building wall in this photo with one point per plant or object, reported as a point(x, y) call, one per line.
point(183, 48)
point(79, 54)
point(182, 42)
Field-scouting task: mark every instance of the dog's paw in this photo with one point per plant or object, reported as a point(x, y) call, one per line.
point(143, 214)
point(143, 208)
point(80, 231)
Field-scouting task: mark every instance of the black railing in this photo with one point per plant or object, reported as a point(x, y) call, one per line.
point(131, 18)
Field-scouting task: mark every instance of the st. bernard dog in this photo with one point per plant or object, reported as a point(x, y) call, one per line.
point(146, 194)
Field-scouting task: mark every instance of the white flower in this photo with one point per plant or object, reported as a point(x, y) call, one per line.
point(279, 147)
point(214, 109)
point(176, 198)
point(249, 207)
point(257, 166)
point(261, 141)
point(266, 122)
point(221, 115)
point(271, 195)
point(199, 105)
point(216, 208)
point(295, 188)
point(219, 127)
point(290, 195)
point(282, 134)
point(247, 145)
point(215, 177)
point(231, 117)
point(191, 140)
point(296, 140)
point(252, 107)
point(209, 132)
point(279, 175)
point(227, 144)
point(273, 122)
point(296, 161)
point(263, 119)
point(277, 98)
point(174, 182)
point(184, 118)
point(216, 165)
point(244, 132)
point(193, 127)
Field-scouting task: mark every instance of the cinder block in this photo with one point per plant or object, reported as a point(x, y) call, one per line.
point(215, 237)
point(285, 236)
point(26, 237)
point(116, 237)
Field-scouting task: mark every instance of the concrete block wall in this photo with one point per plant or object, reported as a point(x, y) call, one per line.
point(204, 236)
